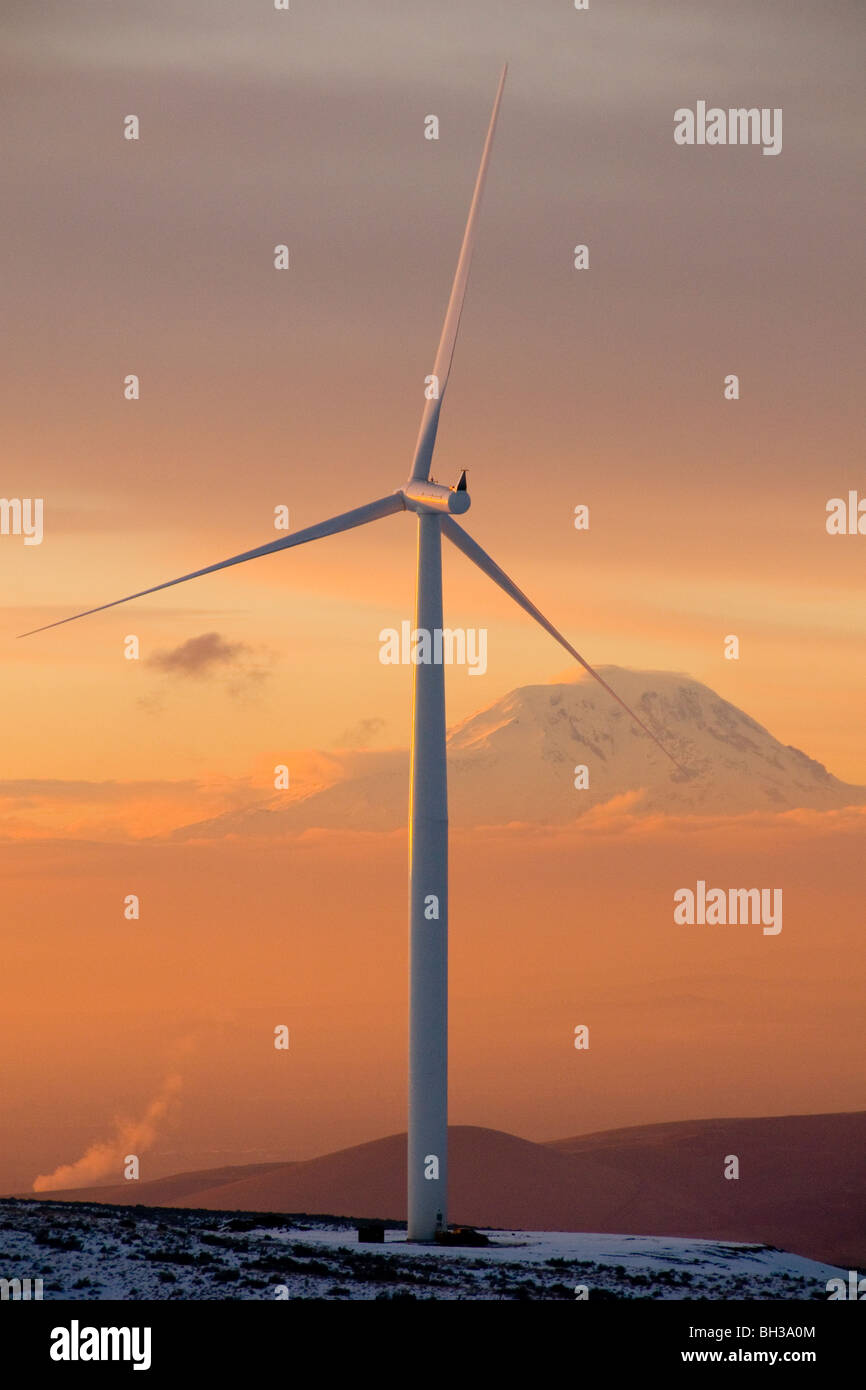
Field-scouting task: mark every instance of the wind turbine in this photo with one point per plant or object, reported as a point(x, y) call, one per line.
point(435, 506)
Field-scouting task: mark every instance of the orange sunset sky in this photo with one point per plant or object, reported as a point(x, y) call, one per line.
point(304, 388)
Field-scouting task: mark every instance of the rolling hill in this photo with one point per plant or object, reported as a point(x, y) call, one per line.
point(800, 1187)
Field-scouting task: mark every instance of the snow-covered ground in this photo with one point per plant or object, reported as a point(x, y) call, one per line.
point(84, 1251)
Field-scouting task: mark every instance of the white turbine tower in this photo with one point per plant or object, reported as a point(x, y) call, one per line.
point(435, 506)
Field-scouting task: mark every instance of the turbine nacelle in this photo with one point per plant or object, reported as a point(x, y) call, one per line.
point(423, 495)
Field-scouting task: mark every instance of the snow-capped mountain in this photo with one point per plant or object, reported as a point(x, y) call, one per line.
point(517, 761)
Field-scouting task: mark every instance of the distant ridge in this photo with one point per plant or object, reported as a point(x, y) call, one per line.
point(801, 1185)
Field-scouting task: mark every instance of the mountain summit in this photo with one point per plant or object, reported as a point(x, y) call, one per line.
point(733, 764)
point(516, 761)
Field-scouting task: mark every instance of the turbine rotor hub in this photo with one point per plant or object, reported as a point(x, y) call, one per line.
point(423, 495)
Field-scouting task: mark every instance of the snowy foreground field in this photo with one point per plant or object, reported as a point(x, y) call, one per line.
point(84, 1251)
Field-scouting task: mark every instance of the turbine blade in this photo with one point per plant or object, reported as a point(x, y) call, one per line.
point(472, 550)
point(445, 352)
point(385, 506)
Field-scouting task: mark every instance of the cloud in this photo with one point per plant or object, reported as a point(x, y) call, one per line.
point(31, 808)
point(31, 791)
point(199, 656)
point(621, 819)
point(360, 735)
point(106, 1157)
